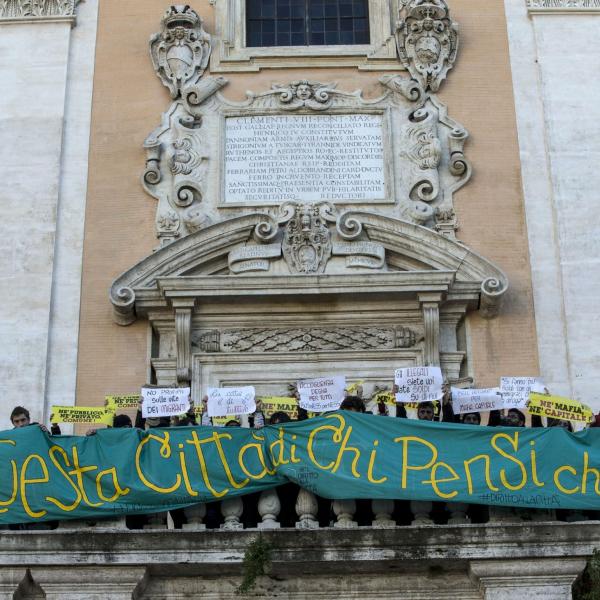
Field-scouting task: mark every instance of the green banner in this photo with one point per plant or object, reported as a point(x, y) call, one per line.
point(340, 455)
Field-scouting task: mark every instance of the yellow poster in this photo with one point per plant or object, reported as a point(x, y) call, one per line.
point(98, 415)
point(390, 399)
point(557, 407)
point(387, 397)
point(123, 402)
point(353, 388)
point(273, 404)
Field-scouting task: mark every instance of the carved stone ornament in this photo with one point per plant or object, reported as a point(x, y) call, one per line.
point(180, 51)
point(427, 41)
point(14, 9)
point(306, 241)
point(311, 339)
point(302, 234)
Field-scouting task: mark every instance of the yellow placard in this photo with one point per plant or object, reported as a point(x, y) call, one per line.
point(388, 397)
point(353, 388)
point(123, 401)
point(98, 415)
point(557, 407)
point(222, 421)
point(273, 404)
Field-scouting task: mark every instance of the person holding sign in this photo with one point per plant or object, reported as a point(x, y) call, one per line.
point(19, 417)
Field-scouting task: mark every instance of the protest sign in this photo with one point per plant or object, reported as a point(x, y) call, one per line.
point(273, 404)
point(97, 415)
point(515, 390)
point(354, 388)
point(231, 401)
point(419, 384)
point(322, 394)
point(557, 407)
point(388, 397)
point(165, 402)
point(467, 401)
point(123, 402)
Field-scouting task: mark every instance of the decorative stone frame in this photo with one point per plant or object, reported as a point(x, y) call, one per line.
point(563, 6)
point(385, 112)
point(231, 53)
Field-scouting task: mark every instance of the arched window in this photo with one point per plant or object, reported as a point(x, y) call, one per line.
point(306, 22)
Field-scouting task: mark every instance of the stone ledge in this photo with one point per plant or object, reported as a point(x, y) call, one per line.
point(306, 549)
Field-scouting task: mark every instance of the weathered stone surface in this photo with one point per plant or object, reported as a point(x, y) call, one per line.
point(560, 183)
point(426, 562)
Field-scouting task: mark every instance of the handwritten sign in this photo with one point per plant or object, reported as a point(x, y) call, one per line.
point(468, 401)
point(123, 402)
point(419, 384)
point(231, 401)
point(165, 402)
point(272, 404)
point(98, 415)
point(557, 407)
point(515, 390)
point(322, 394)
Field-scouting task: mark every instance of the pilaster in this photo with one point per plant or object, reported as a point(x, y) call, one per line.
point(92, 583)
point(547, 579)
point(430, 307)
point(183, 337)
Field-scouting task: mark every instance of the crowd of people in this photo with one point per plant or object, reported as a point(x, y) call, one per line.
point(426, 411)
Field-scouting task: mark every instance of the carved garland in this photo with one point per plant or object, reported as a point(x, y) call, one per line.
point(311, 339)
point(14, 9)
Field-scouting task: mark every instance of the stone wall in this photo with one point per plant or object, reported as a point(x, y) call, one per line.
point(45, 76)
point(470, 562)
point(553, 54)
point(119, 220)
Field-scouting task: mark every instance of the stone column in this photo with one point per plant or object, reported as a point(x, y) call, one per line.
point(543, 578)
point(93, 583)
point(430, 305)
point(9, 582)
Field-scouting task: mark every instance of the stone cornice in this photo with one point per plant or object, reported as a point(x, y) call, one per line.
point(563, 6)
point(37, 11)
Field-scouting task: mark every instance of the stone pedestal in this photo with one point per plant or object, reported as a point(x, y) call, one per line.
point(9, 582)
point(547, 579)
point(92, 583)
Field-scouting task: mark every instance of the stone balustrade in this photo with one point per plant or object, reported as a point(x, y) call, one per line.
point(294, 507)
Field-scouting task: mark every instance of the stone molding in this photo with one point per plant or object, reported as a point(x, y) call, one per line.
point(188, 265)
point(304, 339)
point(563, 6)
point(231, 53)
point(12, 11)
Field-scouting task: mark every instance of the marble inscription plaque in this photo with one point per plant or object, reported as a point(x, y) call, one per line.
point(271, 159)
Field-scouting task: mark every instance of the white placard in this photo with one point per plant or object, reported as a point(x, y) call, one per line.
point(165, 402)
point(467, 401)
point(515, 390)
point(310, 158)
point(419, 384)
point(231, 401)
point(322, 394)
